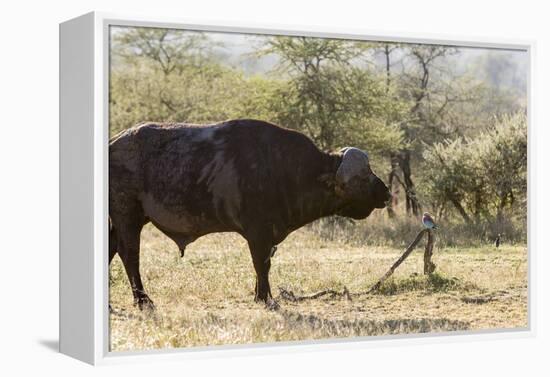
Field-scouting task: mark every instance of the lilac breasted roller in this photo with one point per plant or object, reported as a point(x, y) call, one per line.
point(428, 222)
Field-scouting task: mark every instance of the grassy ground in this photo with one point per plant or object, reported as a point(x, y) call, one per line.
point(206, 298)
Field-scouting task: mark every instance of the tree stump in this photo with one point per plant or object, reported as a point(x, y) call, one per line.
point(429, 266)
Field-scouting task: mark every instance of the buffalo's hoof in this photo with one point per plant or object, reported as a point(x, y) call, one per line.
point(145, 303)
point(272, 305)
point(269, 302)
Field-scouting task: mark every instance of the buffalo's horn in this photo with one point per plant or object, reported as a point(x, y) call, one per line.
point(355, 162)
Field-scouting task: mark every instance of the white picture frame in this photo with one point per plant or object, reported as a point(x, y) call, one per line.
point(84, 69)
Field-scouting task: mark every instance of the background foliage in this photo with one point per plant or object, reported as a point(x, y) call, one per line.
point(446, 127)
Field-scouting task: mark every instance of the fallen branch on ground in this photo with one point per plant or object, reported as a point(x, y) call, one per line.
point(290, 296)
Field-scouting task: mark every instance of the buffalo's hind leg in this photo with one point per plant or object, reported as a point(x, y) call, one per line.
point(112, 247)
point(128, 238)
point(261, 251)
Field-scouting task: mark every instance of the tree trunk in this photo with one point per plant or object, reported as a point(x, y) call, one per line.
point(410, 192)
point(477, 206)
point(402, 160)
point(429, 266)
point(461, 210)
point(387, 52)
point(393, 185)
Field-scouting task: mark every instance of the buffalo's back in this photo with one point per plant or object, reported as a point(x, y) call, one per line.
point(223, 177)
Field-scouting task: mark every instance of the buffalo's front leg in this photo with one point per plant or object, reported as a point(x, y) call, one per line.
point(261, 252)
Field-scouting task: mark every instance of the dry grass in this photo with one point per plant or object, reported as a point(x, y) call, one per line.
point(206, 298)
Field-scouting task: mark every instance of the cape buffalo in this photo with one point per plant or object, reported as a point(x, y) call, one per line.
point(246, 176)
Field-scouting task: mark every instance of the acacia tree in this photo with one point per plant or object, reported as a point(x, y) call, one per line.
point(169, 49)
point(506, 162)
point(331, 97)
point(394, 181)
point(173, 75)
point(416, 85)
point(387, 49)
point(481, 176)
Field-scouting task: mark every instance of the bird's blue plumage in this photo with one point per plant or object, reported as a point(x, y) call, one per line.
point(428, 222)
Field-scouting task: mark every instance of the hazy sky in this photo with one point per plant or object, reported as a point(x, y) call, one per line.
point(507, 68)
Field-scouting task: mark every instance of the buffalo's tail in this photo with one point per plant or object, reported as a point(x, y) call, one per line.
point(112, 241)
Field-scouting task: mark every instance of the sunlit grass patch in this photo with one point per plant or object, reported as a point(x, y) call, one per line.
point(206, 297)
